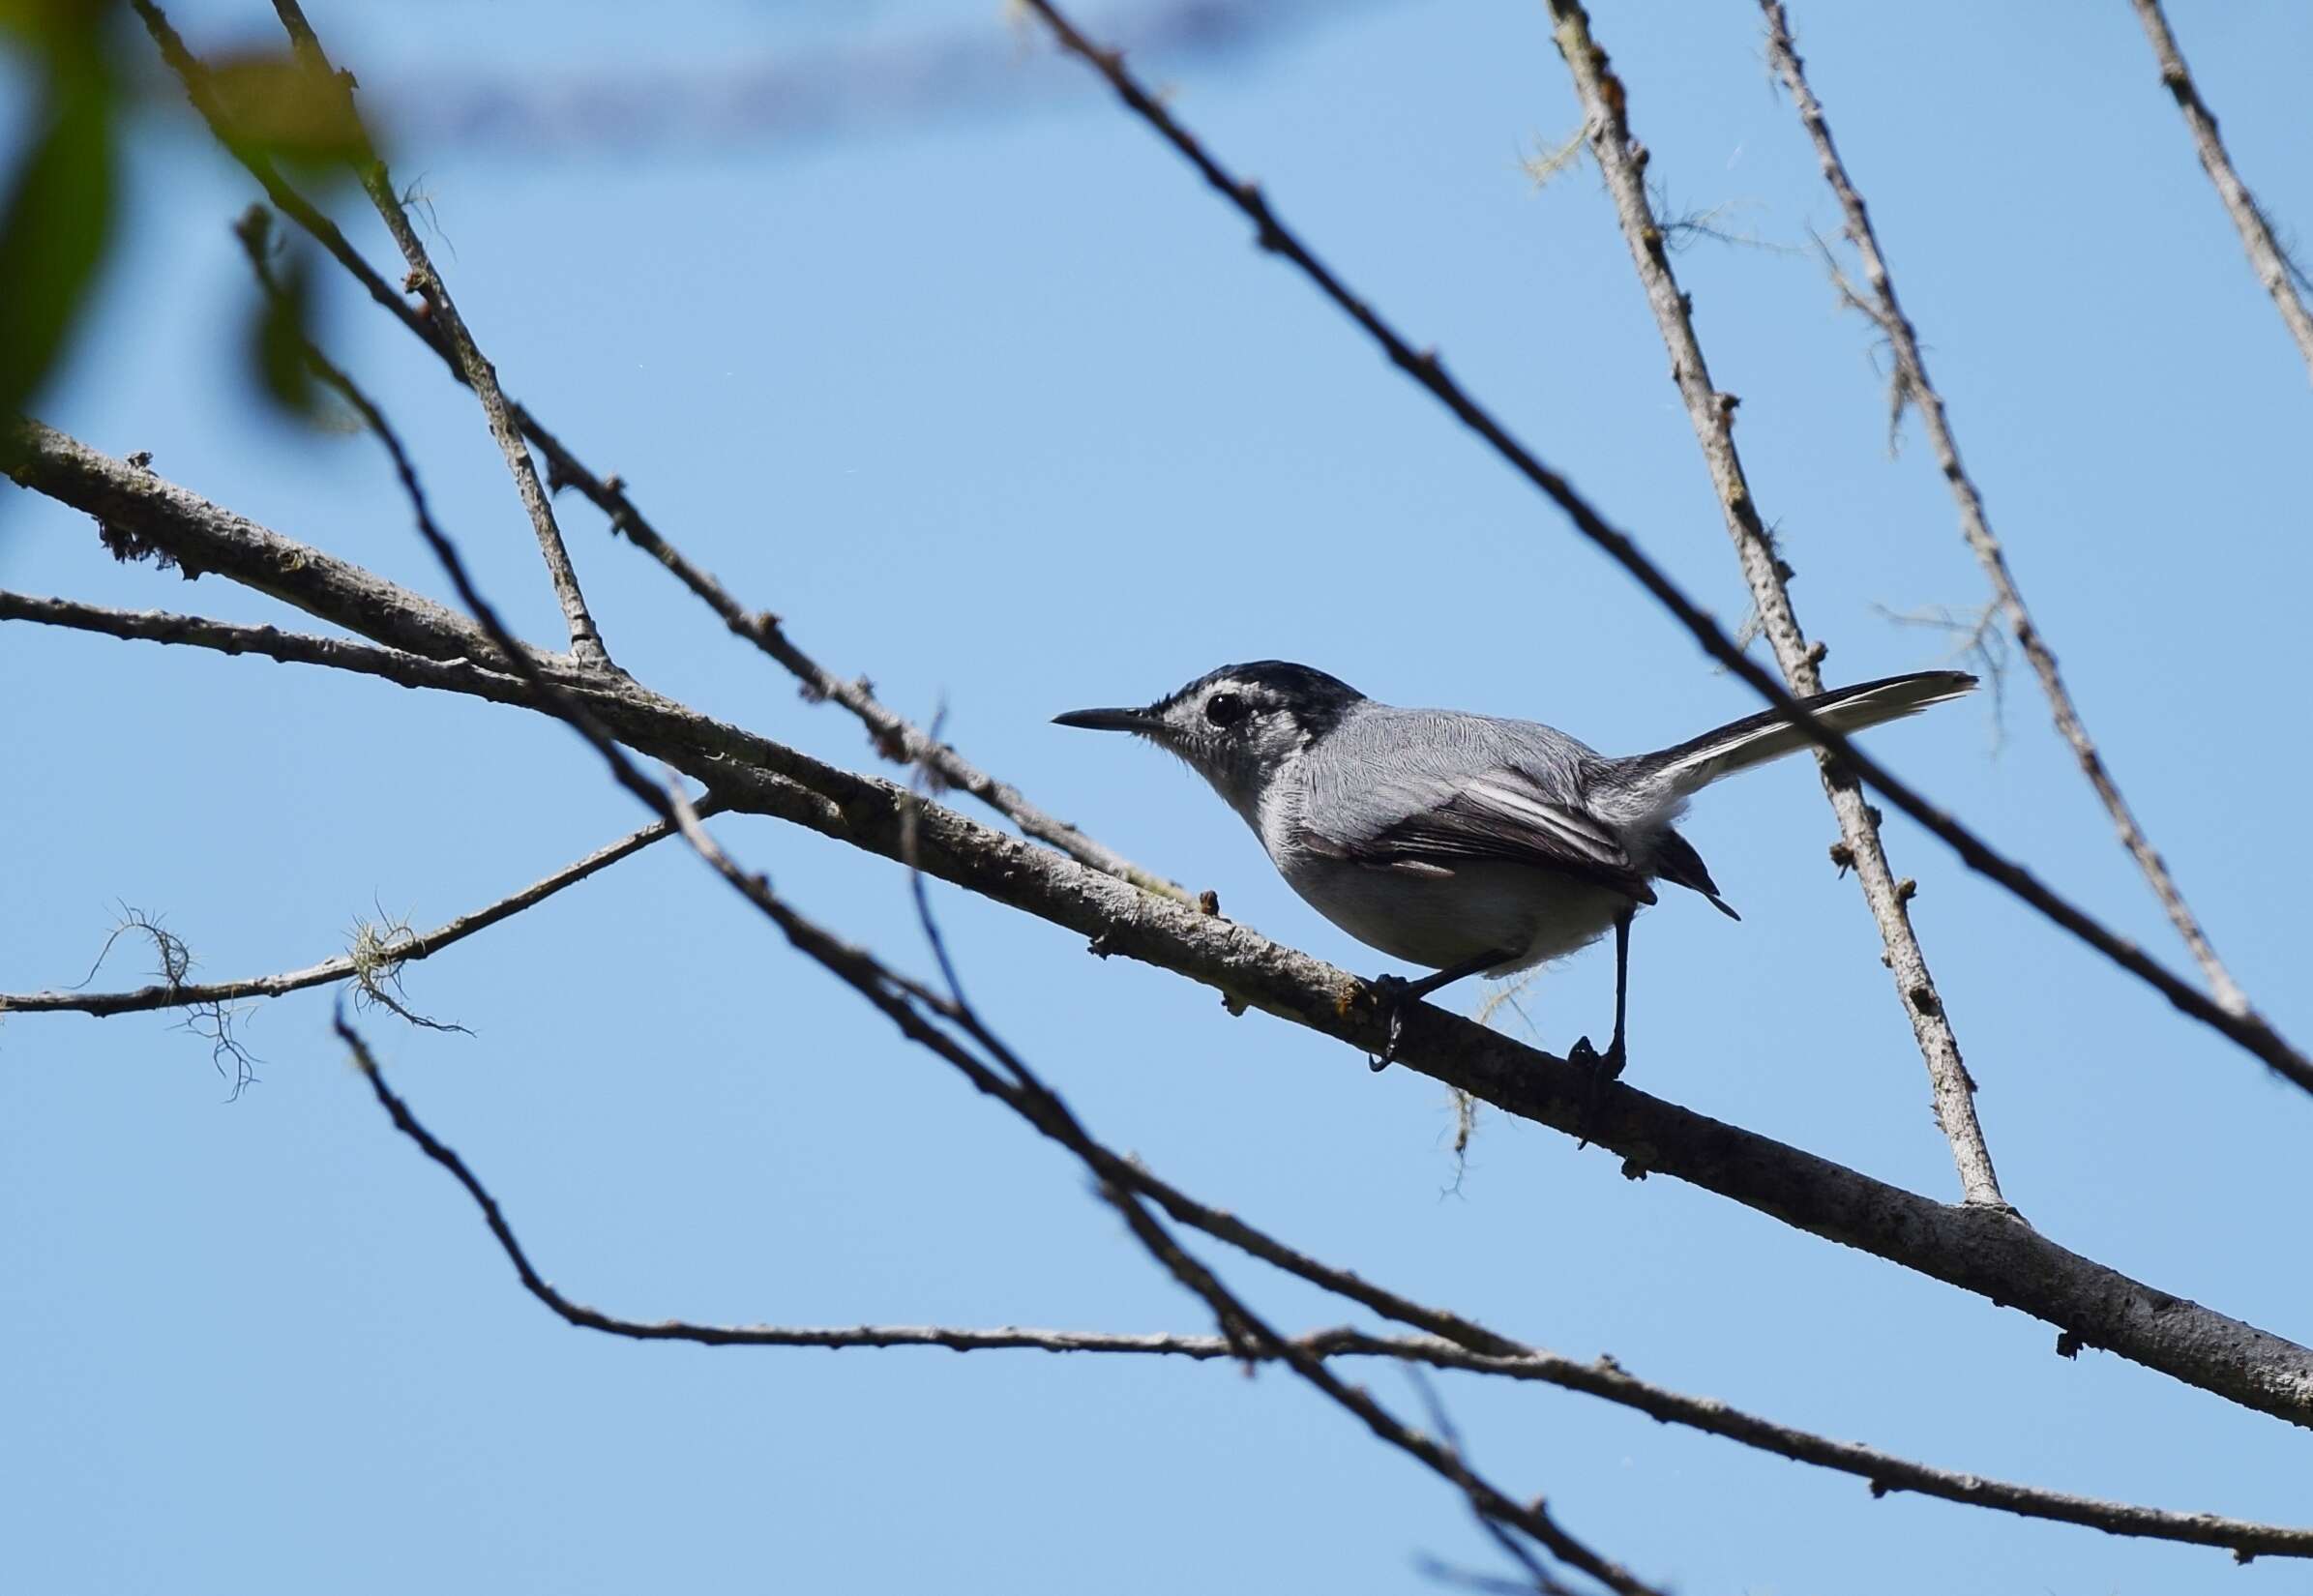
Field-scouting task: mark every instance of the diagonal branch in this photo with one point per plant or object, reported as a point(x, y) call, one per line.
point(1604, 1379)
point(2271, 261)
point(1236, 1320)
point(1911, 378)
point(1122, 1181)
point(585, 641)
point(399, 951)
point(161, 626)
point(1978, 1249)
point(1248, 1328)
point(892, 734)
point(1476, 1348)
point(1004, 1076)
point(1623, 165)
point(1472, 1346)
point(2251, 1032)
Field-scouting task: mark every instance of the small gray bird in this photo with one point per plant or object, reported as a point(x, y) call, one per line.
point(1463, 842)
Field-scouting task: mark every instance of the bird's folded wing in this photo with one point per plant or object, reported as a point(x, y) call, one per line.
point(1500, 815)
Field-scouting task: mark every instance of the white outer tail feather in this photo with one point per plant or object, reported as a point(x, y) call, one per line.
point(1759, 738)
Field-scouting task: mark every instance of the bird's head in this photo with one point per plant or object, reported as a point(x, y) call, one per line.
point(1239, 727)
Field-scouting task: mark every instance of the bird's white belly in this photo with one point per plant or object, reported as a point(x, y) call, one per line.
point(1530, 915)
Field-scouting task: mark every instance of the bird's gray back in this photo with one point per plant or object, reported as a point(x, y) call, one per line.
point(1382, 763)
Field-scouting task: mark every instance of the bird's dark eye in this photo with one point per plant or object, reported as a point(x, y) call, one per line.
point(1226, 709)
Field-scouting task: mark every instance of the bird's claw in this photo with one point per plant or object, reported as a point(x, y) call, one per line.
point(1603, 1066)
point(1599, 1068)
point(1390, 992)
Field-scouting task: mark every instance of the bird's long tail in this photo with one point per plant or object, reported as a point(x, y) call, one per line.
point(1755, 738)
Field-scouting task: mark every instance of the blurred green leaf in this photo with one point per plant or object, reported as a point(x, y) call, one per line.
point(54, 26)
point(58, 213)
point(302, 119)
point(279, 323)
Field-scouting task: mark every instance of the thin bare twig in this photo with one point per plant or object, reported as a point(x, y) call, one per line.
point(1475, 1346)
point(1463, 1343)
point(1486, 1499)
point(1604, 1379)
point(514, 653)
point(392, 953)
point(160, 626)
point(954, 1338)
point(1623, 165)
point(1453, 1342)
point(2271, 262)
point(1006, 1077)
point(2251, 1032)
point(1980, 1250)
point(585, 641)
point(1885, 1471)
point(892, 734)
point(201, 90)
point(1911, 378)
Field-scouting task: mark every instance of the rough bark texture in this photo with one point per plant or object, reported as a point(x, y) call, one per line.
point(1622, 161)
point(1978, 1248)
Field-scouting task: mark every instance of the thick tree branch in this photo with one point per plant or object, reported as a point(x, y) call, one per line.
point(892, 734)
point(2267, 257)
point(395, 952)
point(1980, 1250)
point(1622, 163)
point(1913, 383)
point(2251, 1032)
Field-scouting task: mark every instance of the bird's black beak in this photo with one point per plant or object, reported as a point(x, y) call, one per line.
point(1110, 720)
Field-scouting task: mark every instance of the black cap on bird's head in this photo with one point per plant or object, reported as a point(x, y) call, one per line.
point(1235, 726)
point(1228, 698)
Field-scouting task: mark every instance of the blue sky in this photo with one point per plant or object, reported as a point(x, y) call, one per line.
point(993, 401)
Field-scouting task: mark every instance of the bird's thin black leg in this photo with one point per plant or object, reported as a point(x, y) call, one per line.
point(1398, 994)
point(1610, 1065)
